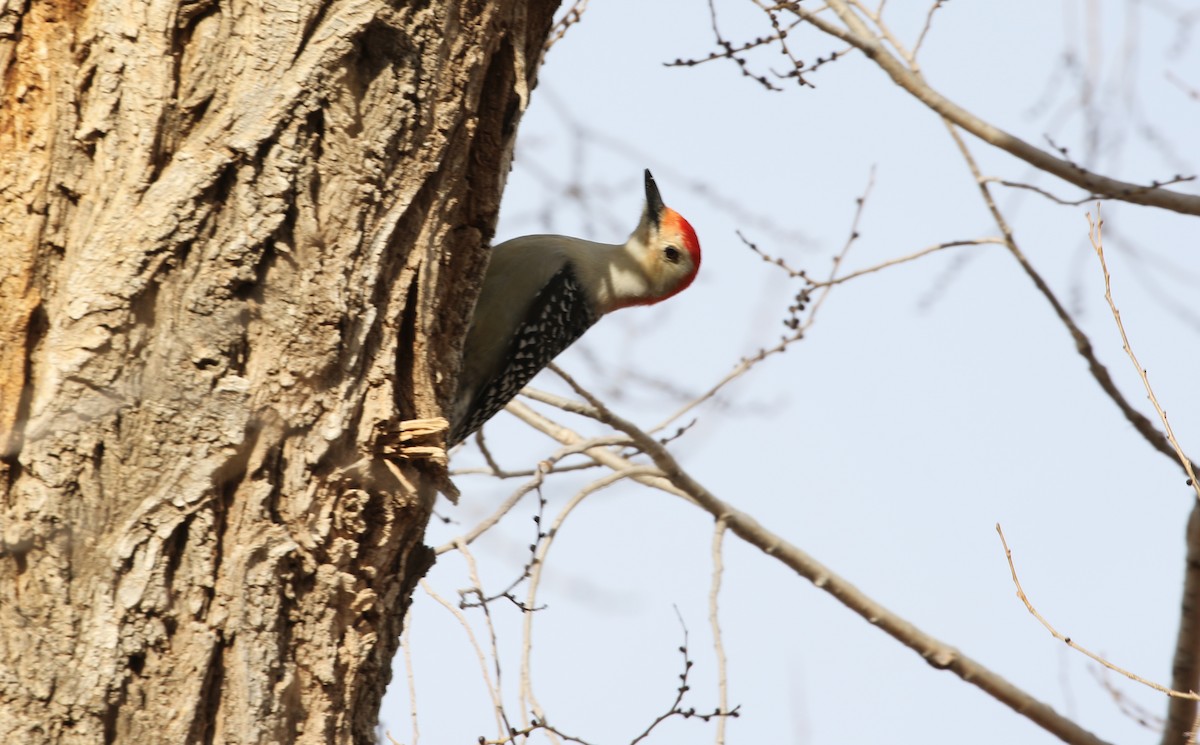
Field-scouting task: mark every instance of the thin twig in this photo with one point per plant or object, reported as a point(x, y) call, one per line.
point(1071, 643)
point(568, 405)
point(602, 455)
point(1128, 707)
point(676, 708)
point(546, 467)
point(781, 33)
point(523, 473)
point(486, 524)
point(778, 261)
point(553, 733)
point(714, 620)
point(729, 51)
point(798, 329)
point(1095, 235)
point(497, 704)
point(924, 32)
point(885, 33)
point(859, 206)
point(910, 257)
point(477, 588)
point(481, 441)
point(406, 644)
point(745, 47)
point(740, 369)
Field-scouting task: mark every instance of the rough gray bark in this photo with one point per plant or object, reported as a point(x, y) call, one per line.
point(236, 241)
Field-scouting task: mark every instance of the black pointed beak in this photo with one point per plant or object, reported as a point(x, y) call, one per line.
point(654, 202)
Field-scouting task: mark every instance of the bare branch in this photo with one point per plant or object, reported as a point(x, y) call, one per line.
point(1084, 200)
point(729, 51)
point(935, 652)
point(857, 33)
point(601, 455)
point(1083, 344)
point(798, 70)
point(569, 18)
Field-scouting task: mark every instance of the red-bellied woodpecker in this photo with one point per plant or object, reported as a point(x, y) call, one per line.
point(541, 292)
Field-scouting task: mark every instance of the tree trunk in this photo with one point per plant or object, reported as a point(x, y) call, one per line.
point(236, 243)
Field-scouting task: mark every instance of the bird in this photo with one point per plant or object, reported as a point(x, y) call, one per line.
point(542, 292)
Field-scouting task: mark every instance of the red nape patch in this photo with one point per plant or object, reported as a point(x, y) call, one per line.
point(673, 221)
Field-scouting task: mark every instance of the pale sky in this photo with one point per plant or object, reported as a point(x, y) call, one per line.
point(929, 401)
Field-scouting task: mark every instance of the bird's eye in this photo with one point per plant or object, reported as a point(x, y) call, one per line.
point(672, 254)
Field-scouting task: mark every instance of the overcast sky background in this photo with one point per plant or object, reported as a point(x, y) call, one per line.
point(928, 403)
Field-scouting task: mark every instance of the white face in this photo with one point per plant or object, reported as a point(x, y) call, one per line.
point(672, 256)
point(668, 265)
